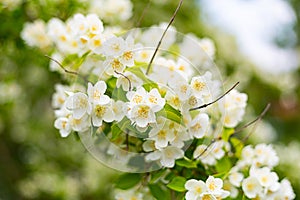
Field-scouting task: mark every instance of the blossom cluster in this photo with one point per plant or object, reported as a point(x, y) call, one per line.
point(260, 182)
point(122, 88)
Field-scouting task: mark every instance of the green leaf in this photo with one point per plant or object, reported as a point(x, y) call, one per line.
point(237, 146)
point(150, 86)
point(127, 181)
point(177, 184)
point(186, 163)
point(157, 175)
point(159, 192)
point(119, 94)
point(227, 132)
point(171, 113)
point(224, 165)
point(136, 70)
point(116, 131)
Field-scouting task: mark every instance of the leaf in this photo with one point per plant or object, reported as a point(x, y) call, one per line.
point(171, 113)
point(127, 181)
point(116, 131)
point(227, 132)
point(159, 192)
point(157, 175)
point(177, 184)
point(136, 70)
point(186, 163)
point(237, 146)
point(224, 165)
point(118, 94)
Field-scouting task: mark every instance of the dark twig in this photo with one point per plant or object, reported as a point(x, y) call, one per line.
point(163, 35)
point(208, 104)
point(65, 70)
point(254, 121)
point(127, 140)
point(119, 73)
point(143, 14)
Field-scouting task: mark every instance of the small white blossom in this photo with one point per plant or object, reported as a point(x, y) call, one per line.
point(251, 187)
point(199, 125)
point(102, 112)
point(96, 93)
point(114, 46)
point(79, 103)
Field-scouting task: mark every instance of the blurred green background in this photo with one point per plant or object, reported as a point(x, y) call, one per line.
point(36, 163)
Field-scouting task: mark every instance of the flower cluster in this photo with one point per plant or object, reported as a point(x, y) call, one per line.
point(253, 172)
point(211, 189)
point(164, 110)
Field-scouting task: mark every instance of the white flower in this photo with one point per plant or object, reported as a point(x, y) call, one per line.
point(95, 44)
point(173, 99)
point(137, 97)
point(79, 103)
point(235, 178)
point(204, 87)
point(251, 187)
point(114, 65)
point(285, 191)
point(59, 97)
point(142, 115)
point(203, 153)
point(265, 156)
point(169, 155)
point(151, 36)
point(82, 124)
point(96, 93)
point(134, 81)
point(155, 100)
point(234, 108)
point(199, 125)
point(95, 25)
point(266, 178)
point(195, 189)
point(162, 136)
point(183, 90)
point(102, 112)
point(64, 126)
point(114, 46)
point(211, 189)
point(118, 108)
point(35, 34)
point(210, 154)
point(214, 187)
point(128, 195)
point(78, 24)
point(112, 10)
point(128, 57)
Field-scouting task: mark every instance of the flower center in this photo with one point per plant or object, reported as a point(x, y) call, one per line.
point(143, 111)
point(100, 110)
point(199, 85)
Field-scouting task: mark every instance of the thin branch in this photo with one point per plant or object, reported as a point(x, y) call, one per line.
point(209, 145)
point(208, 104)
point(143, 14)
point(119, 73)
point(255, 120)
point(163, 35)
point(65, 70)
point(127, 140)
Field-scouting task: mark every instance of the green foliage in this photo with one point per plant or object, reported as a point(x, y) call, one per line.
point(160, 192)
point(177, 184)
point(171, 113)
point(127, 181)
